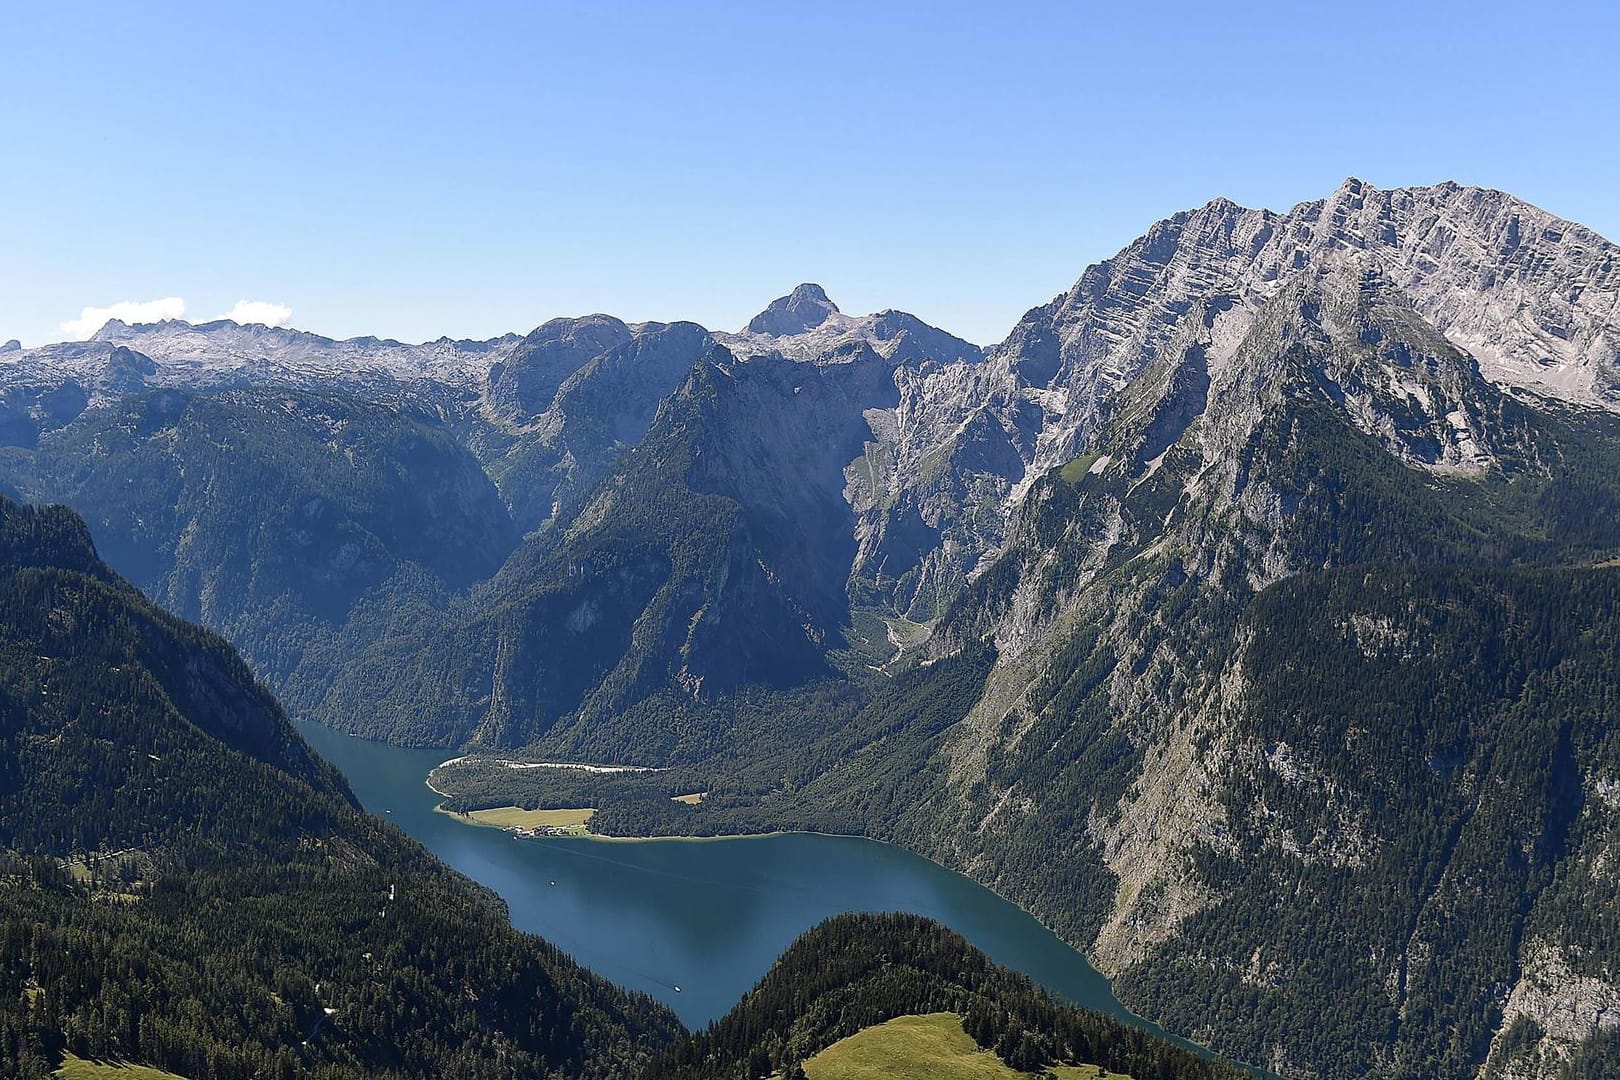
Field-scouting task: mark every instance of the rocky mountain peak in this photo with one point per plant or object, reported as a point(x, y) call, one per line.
point(803, 309)
point(1438, 278)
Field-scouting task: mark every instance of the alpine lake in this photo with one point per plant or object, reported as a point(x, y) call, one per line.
point(696, 923)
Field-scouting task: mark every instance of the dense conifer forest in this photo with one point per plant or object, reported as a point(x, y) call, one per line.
point(184, 884)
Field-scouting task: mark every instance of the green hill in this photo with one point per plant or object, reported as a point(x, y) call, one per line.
point(853, 973)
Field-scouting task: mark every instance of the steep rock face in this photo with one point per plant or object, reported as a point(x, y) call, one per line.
point(933, 488)
point(598, 411)
point(1555, 1016)
point(787, 466)
point(919, 497)
point(1478, 265)
point(1531, 297)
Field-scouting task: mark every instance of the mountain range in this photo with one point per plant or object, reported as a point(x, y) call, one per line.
point(1247, 613)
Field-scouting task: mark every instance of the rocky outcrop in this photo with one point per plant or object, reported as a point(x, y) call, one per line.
point(1550, 1012)
point(806, 325)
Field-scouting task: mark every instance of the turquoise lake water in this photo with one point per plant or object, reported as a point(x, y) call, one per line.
point(706, 916)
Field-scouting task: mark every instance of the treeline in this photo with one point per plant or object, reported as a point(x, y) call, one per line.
point(854, 971)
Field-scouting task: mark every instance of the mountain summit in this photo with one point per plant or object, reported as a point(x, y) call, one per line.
point(805, 308)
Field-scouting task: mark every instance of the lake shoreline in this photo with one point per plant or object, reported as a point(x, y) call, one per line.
point(648, 936)
point(1138, 1019)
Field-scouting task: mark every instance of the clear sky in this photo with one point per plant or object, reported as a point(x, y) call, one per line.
point(412, 170)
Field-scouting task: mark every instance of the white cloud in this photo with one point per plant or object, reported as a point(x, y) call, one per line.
point(259, 311)
point(92, 319)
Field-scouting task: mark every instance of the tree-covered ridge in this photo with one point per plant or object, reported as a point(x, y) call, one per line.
point(854, 971)
point(185, 884)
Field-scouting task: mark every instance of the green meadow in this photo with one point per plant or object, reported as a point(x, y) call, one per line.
point(931, 1047)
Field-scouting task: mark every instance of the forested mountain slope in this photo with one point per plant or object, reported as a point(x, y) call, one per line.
point(292, 521)
point(185, 884)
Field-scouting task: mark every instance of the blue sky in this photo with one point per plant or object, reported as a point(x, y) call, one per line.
point(415, 170)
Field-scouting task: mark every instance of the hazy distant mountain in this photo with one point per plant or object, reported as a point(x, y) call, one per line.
point(806, 324)
point(318, 499)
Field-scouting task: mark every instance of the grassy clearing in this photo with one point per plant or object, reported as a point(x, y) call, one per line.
point(906, 633)
point(692, 799)
point(514, 817)
point(1077, 470)
point(1084, 1072)
point(77, 1068)
point(932, 1047)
